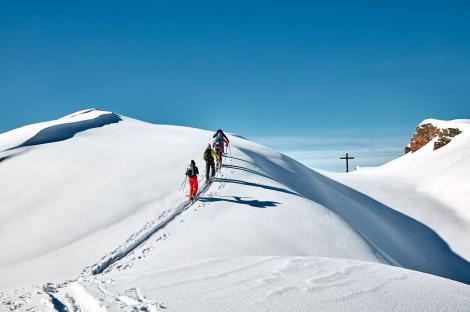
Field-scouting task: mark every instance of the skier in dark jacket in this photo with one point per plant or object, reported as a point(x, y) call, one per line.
point(209, 155)
point(192, 173)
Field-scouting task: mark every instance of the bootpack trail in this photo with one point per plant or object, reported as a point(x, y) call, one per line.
point(145, 233)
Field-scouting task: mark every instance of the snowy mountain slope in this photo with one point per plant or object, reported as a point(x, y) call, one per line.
point(430, 186)
point(439, 173)
point(252, 283)
point(92, 191)
point(290, 194)
point(74, 200)
point(85, 195)
point(257, 283)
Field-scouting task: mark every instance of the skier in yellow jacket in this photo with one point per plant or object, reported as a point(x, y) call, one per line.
point(209, 156)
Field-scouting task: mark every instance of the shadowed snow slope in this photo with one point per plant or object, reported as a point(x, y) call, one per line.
point(261, 225)
point(396, 237)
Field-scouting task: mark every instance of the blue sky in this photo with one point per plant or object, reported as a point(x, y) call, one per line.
point(308, 78)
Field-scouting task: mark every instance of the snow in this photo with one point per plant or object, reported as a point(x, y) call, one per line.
point(90, 192)
point(443, 124)
point(429, 186)
point(17, 137)
point(99, 211)
point(81, 299)
point(262, 283)
point(74, 200)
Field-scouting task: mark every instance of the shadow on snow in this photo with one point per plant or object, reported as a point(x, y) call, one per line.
point(66, 131)
point(267, 187)
point(401, 240)
point(246, 170)
point(239, 200)
point(59, 133)
point(236, 158)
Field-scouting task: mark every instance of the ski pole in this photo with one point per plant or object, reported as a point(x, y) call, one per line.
point(184, 183)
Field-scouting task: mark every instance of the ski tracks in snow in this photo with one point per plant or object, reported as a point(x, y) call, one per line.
point(89, 293)
point(139, 244)
point(93, 295)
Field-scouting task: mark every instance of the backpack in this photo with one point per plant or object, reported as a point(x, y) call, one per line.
point(192, 171)
point(208, 154)
point(218, 141)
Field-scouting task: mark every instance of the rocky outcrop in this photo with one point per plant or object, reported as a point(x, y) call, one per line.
point(425, 133)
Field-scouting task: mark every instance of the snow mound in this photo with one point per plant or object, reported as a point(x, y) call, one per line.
point(456, 123)
point(440, 174)
point(431, 186)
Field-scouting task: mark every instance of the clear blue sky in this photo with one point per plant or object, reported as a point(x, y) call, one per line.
point(340, 72)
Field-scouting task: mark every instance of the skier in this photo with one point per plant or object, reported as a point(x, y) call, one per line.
point(219, 143)
point(192, 173)
point(209, 155)
point(223, 135)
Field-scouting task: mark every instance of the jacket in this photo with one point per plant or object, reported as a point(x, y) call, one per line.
point(192, 171)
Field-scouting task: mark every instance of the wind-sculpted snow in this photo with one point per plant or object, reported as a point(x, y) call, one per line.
point(66, 131)
point(263, 283)
point(18, 141)
point(56, 130)
point(399, 239)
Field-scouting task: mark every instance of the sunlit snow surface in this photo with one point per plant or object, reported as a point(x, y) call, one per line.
point(267, 235)
point(430, 186)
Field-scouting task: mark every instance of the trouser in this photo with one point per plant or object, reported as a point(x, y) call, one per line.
point(219, 158)
point(219, 150)
point(192, 186)
point(210, 169)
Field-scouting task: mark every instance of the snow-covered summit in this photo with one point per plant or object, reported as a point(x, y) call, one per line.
point(455, 123)
point(90, 185)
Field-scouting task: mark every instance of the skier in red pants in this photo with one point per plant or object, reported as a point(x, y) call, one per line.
point(192, 173)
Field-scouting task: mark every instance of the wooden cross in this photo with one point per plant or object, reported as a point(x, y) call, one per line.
point(347, 161)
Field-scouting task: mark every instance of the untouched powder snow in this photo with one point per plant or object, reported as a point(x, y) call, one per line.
point(268, 234)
